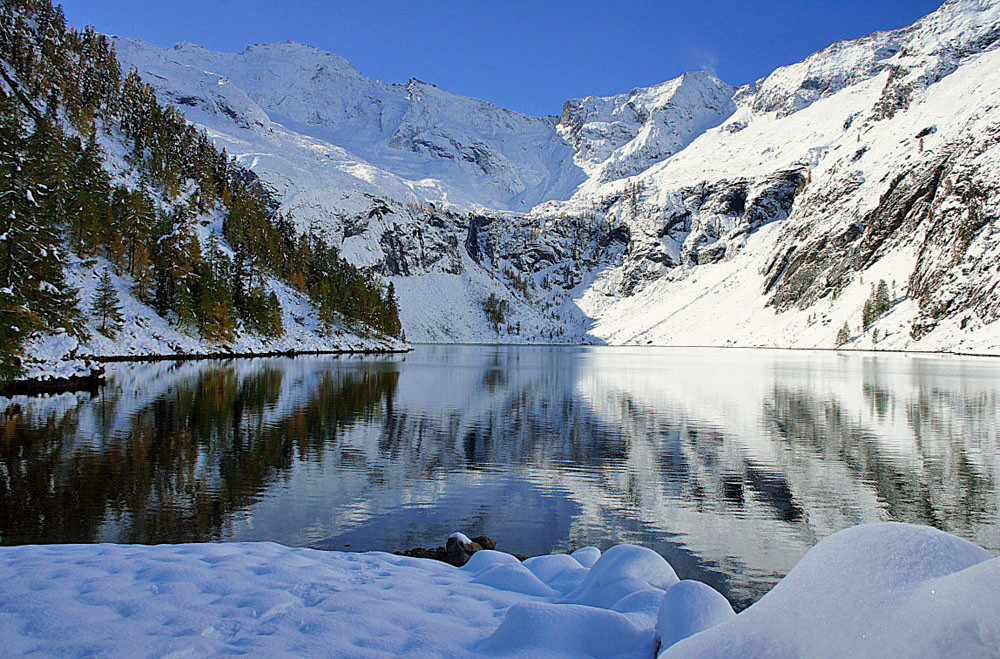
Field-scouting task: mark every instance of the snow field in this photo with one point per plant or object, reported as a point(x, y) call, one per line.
point(879, 589)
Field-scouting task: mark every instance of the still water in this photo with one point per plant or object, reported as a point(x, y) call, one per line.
point(730, 463)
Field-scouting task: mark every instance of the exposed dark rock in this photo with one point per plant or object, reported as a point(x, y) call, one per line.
point(709, 224)
point(458, 553)
point(90, 382)
point(619, 234)
point(896, 95)
point(455, 552)
point(414, 248)
point(477, 241)
point(485, 542)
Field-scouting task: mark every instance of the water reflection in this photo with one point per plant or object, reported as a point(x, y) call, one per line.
point(730, 463)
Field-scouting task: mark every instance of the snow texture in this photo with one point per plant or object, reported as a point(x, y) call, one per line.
point(881, 589)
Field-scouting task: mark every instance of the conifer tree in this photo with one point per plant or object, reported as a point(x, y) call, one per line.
point(33, 291)
point(46, 148)
point(390, 313)
point(876, 305)
point(89, 194)
point(179, 257)
point(144, 274)
point(106, 307)
point(844, 335)
point(215, 310)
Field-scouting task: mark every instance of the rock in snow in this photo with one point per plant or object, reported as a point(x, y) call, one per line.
point(880, 589)
point(457, 551)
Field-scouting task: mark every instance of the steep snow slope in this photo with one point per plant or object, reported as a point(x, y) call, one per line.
point(895, 178)
point(622, 135)
point(708, 215)
point(812, 273)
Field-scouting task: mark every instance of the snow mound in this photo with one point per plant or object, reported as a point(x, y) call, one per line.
point(560, 571)
point(516, 578)
point(619, 572)
point(487, 559)
point(566, 630)
point(874, 590)
point(688, 608)
point(551, 566)
point(587, 556)
point(644, 603)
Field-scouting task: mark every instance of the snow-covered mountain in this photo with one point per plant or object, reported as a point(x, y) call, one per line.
point(689, 212)
point(409, 141)
point(618, 136)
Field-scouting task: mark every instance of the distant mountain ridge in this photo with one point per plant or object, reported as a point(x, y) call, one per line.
point(476, 152)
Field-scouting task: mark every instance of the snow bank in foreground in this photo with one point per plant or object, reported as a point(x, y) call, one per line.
point(887, 589)
point(872, 590)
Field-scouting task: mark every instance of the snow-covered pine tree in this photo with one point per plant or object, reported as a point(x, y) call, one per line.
point(33, 292)
point(46, 148)
point(390, 312)
point(89, 196)
point(106, 307)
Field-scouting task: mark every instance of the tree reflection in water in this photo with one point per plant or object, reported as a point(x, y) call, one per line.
point(178, 466)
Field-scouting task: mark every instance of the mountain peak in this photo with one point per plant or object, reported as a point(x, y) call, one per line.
point(293, 51)
point(189, 45)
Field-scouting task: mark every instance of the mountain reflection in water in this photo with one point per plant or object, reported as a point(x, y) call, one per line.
point(730, 463)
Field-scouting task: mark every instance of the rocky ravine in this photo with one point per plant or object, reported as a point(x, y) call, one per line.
point(685, 213)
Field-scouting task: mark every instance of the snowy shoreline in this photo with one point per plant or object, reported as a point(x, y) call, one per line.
point(669, 346)
point(250, 355)
point(868, 351)
point(89, 373)
point(871, 590)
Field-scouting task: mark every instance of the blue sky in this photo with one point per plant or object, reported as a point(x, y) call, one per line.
point(527, 56)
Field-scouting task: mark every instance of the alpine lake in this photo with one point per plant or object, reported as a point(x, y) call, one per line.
point(730, 463)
